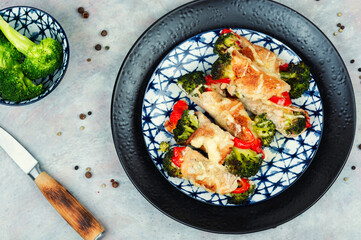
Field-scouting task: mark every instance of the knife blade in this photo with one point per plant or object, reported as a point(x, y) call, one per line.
point(78, 217)
point(17, 152)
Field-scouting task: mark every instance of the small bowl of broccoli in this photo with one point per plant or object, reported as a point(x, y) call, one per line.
point(34, 55)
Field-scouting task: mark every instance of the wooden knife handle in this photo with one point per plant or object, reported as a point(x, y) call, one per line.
point(68, 207)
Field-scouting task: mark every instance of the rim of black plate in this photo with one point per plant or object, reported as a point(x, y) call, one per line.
point(336, 94)
point(54, 86)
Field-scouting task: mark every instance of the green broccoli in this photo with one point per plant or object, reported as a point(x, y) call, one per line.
point(264, 128)
point(9, 55)
point(224, 42)
point(241, 198)
point(16, 87)
point(41, 59)
point(191, 81)
point(243, 162)
point(222, 68)
point(295, 123)
point(164, 147)
point(169, 167)
point(298, 76)
point(185, 127)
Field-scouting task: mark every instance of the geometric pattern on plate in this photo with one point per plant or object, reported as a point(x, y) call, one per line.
point(286, 158)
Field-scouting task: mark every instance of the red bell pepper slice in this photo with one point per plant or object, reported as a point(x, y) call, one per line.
point(285, 100)
point(308, 122)
point(222, 80)
point(245, 144)
point(254, 144)
point(244, 186)
point(180, 106)
point(210, 80)
point(225, 31)
point(175, 116)
point(242, 144)
point(177, 156)
point(178, 110)
point(257, 147)
point(283, 67)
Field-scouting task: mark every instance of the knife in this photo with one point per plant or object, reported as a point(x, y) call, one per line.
point(67, 206)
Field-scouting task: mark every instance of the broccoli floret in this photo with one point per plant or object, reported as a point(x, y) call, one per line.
point(222, 68)
point(9, 55)
point(243, 162)
point(224, 42)
point(295, 123)
point(169, 167)
point(241, 198)
point(16, 87)
point(298, 76)
point(41, 59)
point(185, 127)
point(164, 147)
point(190, 81)
point(264, 128)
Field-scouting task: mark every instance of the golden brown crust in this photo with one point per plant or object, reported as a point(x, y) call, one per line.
point(252, 82)
point(202, 172)
point(210, 186)
point(247, 52)
point(262, 57)
point(229, 113)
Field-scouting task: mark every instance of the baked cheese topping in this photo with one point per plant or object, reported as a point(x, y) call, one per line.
point(228, 113)
point(202, 172)
point(265, 59)
point(251, 82)
point(215, 141)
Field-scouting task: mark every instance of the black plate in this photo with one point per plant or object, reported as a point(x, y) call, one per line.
point(267, 17)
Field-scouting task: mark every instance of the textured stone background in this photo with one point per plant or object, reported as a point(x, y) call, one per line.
point(88, 86)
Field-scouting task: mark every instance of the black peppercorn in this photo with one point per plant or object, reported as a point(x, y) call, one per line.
point(85, 15)
point(104, 33)
point(98, 47)
point(80, 10)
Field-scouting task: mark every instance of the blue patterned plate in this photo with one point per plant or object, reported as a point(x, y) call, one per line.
point(286, 158)
point(37, 25)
